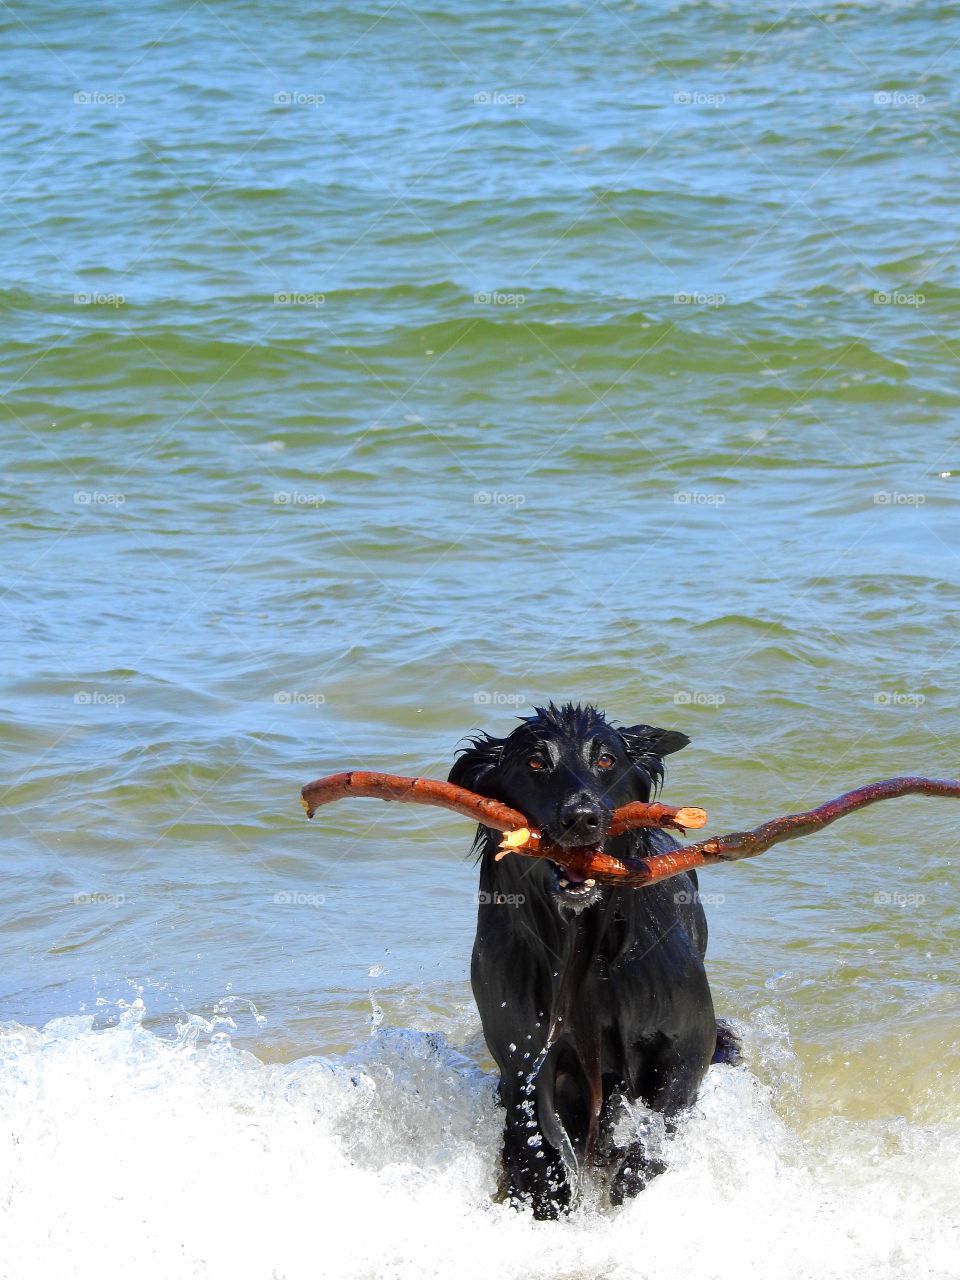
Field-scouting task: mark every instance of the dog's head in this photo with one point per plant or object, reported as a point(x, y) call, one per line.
point(566, 769)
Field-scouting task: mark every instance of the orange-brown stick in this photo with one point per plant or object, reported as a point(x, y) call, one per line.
point(640, 814)
point(390, 786)
point(594, 863)
point(492, 813)
point(637, 872)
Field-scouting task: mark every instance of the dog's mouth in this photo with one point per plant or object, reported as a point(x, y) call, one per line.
point(571, 888)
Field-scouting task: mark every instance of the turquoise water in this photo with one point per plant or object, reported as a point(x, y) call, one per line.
point(370, 374)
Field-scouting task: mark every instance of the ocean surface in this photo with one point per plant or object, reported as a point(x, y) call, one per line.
point(369, 374)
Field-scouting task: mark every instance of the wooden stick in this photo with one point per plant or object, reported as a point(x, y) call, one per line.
point(391, 786)
point(626, 818)
point(492, 813)
point(639, 814)
point(593, 863)
point(638, 872)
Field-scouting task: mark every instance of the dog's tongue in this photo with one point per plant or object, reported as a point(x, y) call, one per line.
point(574, 876)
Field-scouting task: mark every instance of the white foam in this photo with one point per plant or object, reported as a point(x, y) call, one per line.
point(122, 1153)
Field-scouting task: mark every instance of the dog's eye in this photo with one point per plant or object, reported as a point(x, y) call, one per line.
point(535, 763)
point(605, 760)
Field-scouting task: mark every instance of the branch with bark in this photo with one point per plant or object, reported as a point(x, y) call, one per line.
point(491, 813)
point(638, 872)
point(591, 861)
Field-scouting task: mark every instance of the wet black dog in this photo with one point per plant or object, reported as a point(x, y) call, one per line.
point(588, 994)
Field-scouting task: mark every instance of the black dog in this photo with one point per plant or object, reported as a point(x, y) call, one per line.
point(588, 994)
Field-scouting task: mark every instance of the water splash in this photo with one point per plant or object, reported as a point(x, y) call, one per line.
point(384, 1163)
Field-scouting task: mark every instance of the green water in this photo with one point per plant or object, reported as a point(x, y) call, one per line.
point(371, 373)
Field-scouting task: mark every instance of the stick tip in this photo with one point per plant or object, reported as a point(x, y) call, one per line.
point(308, 808)
point(515, 839)
point(691, 817)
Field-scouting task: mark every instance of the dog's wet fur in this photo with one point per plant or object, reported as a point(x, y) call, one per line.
point(589, 995)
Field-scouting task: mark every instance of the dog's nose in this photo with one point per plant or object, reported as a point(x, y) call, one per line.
point(580, 821)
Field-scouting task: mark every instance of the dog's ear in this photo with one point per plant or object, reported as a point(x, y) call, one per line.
point(477, 763)
point(647, 746)
point(645, 740)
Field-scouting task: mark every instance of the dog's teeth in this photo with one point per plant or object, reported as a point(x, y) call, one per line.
point(589, 884)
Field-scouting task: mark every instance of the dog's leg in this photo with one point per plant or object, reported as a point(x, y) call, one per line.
point(636, 1163)
point(673, 1083)
point(729, 1050)
point(533, 1170)
point(637, 1170)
